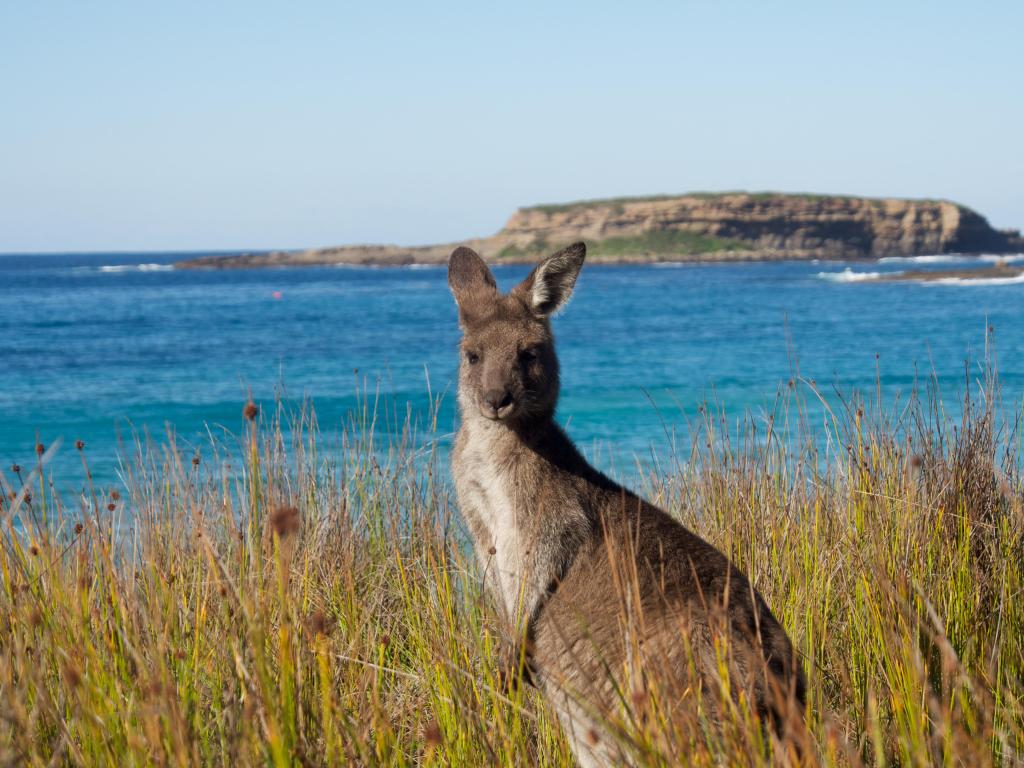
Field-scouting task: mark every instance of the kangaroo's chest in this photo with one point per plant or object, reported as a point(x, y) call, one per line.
point(494, 507)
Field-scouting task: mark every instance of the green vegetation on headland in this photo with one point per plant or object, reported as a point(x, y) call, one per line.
point(291, 600)
point(665, 242)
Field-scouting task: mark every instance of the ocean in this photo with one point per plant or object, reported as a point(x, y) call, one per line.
point(103, 347)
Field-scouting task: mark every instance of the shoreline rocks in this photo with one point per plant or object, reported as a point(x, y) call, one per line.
point(994, 272)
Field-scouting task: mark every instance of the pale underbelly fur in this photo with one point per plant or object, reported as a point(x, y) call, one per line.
point(493, 508)
point(493, 505)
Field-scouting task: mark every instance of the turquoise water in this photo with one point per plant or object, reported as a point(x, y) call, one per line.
point(93, 346)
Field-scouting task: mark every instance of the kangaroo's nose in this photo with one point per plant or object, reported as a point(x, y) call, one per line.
point(497, 399)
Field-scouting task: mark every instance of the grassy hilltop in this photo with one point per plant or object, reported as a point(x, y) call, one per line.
point(280, 603)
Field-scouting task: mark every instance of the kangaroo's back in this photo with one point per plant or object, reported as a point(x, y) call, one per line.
point(608, 598)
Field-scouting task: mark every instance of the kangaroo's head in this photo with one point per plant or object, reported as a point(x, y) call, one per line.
point(509, 371)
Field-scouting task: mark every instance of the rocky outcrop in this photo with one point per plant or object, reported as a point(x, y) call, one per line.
point(799, 226)
point(699, 227)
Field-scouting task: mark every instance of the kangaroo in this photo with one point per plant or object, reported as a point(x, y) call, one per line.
point(596, 586)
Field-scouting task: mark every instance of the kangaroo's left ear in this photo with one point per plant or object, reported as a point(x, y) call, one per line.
point(548, 287)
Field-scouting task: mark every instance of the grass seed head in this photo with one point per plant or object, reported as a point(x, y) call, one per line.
point(72, 676)
point(318, 624)
point(40, 449)
point(432, 734)
point(639, 698)
point(285, 520)
point(251, 411)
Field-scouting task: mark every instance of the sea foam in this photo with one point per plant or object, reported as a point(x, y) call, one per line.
point(1017, 280)
point(849, 276)
point(936, 258)
point(955, 258)
point(137, 268)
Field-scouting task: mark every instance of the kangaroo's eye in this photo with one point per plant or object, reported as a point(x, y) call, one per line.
point(472, 358)
point(528, 355)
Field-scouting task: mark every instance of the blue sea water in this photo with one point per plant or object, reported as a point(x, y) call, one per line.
point(95, 346)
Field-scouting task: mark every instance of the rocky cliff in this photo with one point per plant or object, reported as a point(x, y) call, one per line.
point(700, 227)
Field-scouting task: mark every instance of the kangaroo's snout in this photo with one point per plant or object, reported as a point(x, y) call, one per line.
point(497, 403)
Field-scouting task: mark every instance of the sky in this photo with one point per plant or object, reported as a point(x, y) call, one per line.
point(221, 125)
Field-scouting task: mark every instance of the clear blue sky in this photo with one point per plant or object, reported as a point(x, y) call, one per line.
point(188, 125)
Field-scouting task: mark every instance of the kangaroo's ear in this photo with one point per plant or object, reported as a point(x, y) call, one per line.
point(469, 278)
point(549, 286)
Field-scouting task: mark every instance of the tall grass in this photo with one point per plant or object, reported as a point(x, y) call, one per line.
point(278, 602)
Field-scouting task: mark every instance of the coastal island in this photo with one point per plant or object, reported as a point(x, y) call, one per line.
point(727, 226)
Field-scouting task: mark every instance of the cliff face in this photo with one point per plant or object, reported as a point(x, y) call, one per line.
point(700, 227)
point(765, 225)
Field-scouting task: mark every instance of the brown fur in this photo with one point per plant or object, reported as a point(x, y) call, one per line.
point(604, 592)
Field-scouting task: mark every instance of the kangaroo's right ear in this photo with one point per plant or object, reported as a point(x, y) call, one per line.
point(470, 279)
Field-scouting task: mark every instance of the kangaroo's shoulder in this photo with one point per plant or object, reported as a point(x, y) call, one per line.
point(660, 542)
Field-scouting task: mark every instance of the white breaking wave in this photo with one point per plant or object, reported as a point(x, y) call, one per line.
point(938, 258)
point(1019, 279)
point(137, 268)
point(849, 276)
point(955, 258)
